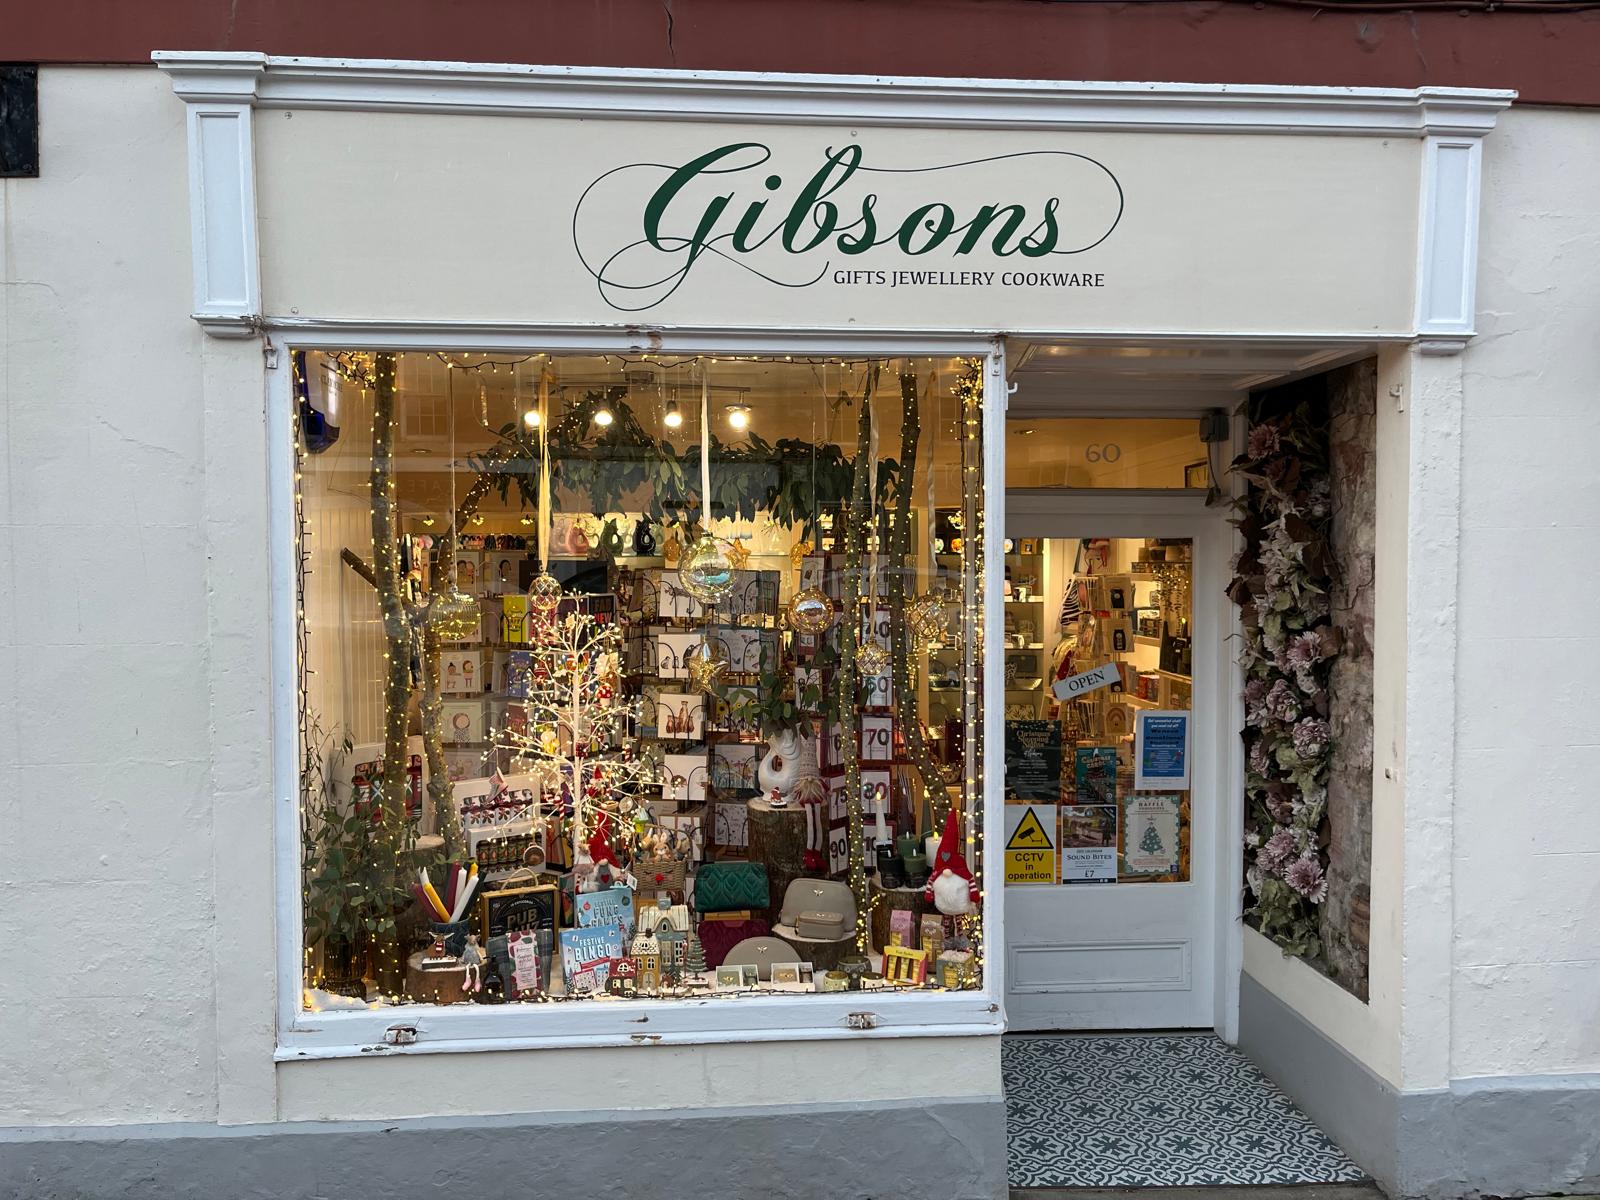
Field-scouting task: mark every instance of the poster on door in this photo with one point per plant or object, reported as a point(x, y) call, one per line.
point(1150, 833)
point(1030, 843)
point(1089, 843)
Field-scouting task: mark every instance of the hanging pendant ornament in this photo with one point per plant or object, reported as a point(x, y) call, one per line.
point(810, 610)
point(452, 613)
point(707, 664)
point(705, 571)
point(925, 617)
point(544, 593)
point(871, 655)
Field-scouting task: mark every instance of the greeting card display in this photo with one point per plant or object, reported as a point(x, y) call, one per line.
point(877, 738)
point(463, 720)
point(680, 716)
point(733, 766)
point(738, 711)
point(731, 823)
point(683, 777)
point(461, 673)
point(671, 653)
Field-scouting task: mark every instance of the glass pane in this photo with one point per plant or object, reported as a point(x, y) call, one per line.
point(1098, 645)
point(1091, 452)
point(636, 747)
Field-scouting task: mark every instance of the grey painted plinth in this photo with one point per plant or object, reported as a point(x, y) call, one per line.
point(882, 1151)
point(1495, 1136)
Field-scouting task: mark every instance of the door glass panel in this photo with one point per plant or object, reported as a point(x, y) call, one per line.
point(1094, 452)
point(1098, 690)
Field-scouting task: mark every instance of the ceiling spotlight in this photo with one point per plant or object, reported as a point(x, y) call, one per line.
point(674, 418)
point(603, 417)
point(428, 521)
point(738, 416)
point(478, 519)
point(421, 451)
point(531, 418)
point(526, 520)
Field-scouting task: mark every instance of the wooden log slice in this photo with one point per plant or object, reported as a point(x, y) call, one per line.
point(434, 987)
point(777, 838)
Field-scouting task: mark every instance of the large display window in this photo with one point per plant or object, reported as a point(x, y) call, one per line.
point(638, 677)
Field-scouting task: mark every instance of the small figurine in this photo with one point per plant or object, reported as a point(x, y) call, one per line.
point(472, 960)
point(951, 887)
point(776, 799)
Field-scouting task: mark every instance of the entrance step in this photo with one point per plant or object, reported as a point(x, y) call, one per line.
point(1112, 1112)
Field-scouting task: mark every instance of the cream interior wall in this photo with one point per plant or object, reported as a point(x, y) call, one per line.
point(1526, 983)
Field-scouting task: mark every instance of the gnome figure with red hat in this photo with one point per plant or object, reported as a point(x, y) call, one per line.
point(602, 870)
point(951, 887)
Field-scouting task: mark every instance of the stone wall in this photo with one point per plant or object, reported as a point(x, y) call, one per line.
point(1345, 917)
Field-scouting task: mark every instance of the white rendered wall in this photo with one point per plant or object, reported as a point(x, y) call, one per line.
point(106, 810)
point(136, 796)
point(1525, 996)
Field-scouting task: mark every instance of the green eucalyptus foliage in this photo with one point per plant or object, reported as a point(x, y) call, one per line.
point(623, 467)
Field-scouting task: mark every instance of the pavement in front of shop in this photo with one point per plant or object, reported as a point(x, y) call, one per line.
point(1179, 1110)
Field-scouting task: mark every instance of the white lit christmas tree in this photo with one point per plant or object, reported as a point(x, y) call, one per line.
point(575, 738)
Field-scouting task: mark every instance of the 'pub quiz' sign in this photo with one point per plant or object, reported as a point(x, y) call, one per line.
point(644, 230)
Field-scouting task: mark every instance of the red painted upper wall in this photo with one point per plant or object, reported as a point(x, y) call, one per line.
point(1550, 57)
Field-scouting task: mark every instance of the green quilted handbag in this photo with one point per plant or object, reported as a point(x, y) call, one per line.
point(727, 886)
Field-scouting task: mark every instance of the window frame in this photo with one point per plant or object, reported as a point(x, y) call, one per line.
point(457, 1028)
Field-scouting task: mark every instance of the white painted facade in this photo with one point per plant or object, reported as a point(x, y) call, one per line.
point(140, 717)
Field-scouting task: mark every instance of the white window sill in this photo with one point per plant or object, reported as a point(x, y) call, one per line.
point(465, 1028)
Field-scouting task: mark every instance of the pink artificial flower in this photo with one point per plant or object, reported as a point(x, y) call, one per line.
point(1277, 852)
point(1305, 876)
point(1263, 441)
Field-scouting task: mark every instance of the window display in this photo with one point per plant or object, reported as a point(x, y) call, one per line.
point(638, 677)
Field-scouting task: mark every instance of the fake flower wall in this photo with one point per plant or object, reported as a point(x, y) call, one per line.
point(1302, 583)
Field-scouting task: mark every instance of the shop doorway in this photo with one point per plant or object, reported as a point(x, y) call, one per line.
point(1117, 699)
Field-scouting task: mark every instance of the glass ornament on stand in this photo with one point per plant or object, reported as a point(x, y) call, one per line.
point(705, 571)
point(810, 610)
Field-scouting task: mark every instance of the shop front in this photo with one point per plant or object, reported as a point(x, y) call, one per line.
point(745, 559)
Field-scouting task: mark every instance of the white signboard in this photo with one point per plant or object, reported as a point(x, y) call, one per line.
point(1074, 686)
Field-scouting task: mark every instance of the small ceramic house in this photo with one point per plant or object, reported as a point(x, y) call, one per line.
point(646, 955)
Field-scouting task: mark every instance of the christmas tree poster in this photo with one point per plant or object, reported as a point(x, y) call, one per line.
point(1150, 833)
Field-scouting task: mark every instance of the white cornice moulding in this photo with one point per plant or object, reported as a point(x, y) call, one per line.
point(638, 94)
point(222, 88)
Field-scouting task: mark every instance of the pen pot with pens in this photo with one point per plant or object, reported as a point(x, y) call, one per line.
point(447, 912)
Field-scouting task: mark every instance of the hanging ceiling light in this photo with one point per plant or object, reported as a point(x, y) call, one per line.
point(531, 418)
point(603, 417)
point(738, 416)
point(673, 418)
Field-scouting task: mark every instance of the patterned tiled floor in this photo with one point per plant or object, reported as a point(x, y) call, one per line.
point(1154, 1110)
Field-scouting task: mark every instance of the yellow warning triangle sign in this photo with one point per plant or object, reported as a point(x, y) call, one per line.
point(1030, 834)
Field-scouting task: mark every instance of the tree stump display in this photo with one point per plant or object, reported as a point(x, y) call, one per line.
point(434, 987)
point(777, 839)
point(887, 900)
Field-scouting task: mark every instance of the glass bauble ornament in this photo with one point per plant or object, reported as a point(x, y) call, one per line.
point(705, 571)
point(454, 615)
point(544, 594)
point(811, 611)
point(707, 665)
point(925, 617)
point(872, 658)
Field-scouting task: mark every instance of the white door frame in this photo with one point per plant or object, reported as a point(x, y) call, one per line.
point(1219, 875)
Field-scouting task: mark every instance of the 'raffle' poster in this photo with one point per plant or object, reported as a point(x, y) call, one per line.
point(1150, 833)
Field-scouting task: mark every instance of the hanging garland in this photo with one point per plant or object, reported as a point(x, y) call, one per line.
point(1282, 585)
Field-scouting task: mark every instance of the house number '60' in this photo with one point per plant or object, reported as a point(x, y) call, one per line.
point(1103, 452)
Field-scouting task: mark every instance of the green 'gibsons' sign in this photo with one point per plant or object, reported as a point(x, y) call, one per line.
point(641, 229)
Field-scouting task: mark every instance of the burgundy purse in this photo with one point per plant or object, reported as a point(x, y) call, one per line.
point(719, 937)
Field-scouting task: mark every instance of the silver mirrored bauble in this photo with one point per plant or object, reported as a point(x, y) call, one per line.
point(811, 611)
point(705, 571)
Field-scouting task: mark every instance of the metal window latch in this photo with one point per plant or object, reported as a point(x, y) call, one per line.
point(400, 1035)
point(861, 1020)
